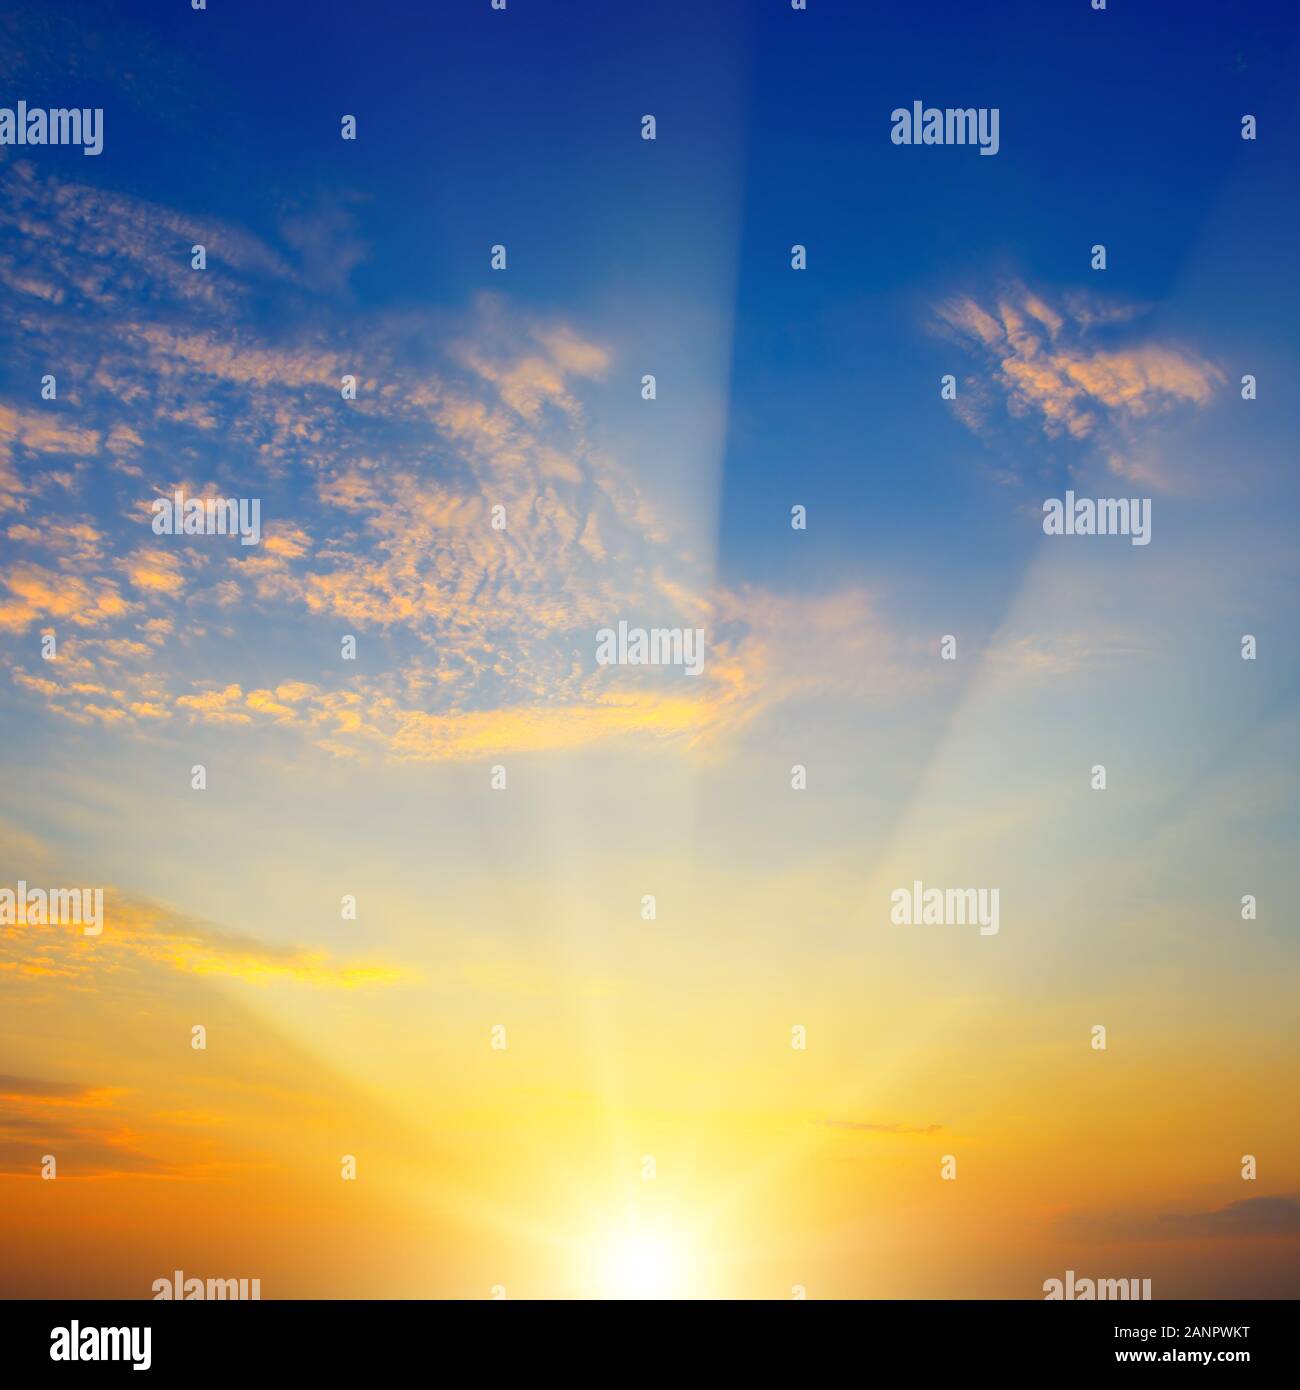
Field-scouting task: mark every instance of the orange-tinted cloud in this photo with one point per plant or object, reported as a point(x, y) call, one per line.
point(1048, 366)
point(137, 933)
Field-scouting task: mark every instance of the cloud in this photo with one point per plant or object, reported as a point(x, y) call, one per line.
point(141, 934)
point(1013, 657)
point(36, 593)
point(1245, 1219)
point(33, 432)
point(1253, 1216)
point(79, 1151)
point(83, 249)
point(455, 517)
point(870, 1127)
point(157, 571)
point(74, 1123)
point(1049, 365)
point(216, 706)
point(325, 238)
point(27, 1088)
point(45, 433)
point(494, 693)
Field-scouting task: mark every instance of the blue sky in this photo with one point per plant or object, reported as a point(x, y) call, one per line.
point(480, 126)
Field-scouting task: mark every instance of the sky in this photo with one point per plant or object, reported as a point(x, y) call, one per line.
point(769, 1088)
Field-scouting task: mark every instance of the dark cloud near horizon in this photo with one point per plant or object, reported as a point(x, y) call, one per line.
point(1277, 1215)
point(34, 1088)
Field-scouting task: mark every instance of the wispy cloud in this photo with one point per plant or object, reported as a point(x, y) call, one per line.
point(1051, 366)
point(139, 934)
point(1250, 1217)
point(877, 1127)
point(73, 1122)
point(27, 1088)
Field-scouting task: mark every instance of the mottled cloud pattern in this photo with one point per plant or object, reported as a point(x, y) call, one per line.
point(1057, 366)
point(377, 512)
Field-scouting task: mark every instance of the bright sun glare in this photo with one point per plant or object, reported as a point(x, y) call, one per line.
point(641, 1266)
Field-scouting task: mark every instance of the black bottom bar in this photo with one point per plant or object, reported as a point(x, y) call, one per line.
point(340, 1338)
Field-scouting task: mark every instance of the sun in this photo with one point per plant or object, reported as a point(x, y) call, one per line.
point(641, 1265)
